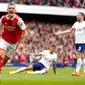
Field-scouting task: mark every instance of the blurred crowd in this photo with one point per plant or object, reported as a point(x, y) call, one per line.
point(41, 36)
point(57, 3)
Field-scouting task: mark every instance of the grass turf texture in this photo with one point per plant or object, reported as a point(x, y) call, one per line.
point(62, 77)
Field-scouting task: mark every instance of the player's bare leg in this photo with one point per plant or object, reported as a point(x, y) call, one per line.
point(83, 62)
point(30, 67)
point(79, 63)
point(5, 60)
point(43, 71)
point(2, 55)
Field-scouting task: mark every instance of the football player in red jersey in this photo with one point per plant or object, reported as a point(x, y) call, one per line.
point(14, 34)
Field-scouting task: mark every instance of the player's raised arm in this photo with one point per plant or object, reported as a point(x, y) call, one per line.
point(63, 32)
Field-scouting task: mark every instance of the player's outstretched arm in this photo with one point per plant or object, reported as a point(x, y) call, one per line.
point(32, 54)
point(63, 32)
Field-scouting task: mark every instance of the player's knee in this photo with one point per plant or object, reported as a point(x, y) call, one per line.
point(30, 67)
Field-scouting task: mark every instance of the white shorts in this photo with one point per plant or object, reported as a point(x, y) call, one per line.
point(9, 48)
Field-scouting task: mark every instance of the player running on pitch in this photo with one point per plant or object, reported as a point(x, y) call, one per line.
point(79, 28)
point(14, 33)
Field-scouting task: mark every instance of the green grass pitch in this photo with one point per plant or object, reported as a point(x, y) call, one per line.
point(62, 77)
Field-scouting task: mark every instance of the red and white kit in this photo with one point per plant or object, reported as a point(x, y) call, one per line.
point(12, 32)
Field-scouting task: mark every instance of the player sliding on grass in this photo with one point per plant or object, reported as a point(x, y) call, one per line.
point(79, 28)
point(47, 58)
point(14, 32)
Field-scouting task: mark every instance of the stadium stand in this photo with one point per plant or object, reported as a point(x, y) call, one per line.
point(42, 30)
point(58, 3)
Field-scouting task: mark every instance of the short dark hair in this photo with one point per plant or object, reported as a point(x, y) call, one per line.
point(10, 4)
point(82, 13)
point(53, 45)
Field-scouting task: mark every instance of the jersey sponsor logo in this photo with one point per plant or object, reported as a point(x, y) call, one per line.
point(10, 28)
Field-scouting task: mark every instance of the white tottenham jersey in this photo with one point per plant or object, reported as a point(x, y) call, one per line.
point(47, 58)
point(79, 28)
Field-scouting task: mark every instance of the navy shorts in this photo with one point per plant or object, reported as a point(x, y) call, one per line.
point(38, 66)
point(80, 47)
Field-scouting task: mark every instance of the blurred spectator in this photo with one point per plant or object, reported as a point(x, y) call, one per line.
point(42, 36)
point(28, 2)
point(58, 3)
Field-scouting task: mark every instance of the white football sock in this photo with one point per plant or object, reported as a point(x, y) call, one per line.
point(84, 65)
point(78, 65)
point(39, 72)
point(21, 69)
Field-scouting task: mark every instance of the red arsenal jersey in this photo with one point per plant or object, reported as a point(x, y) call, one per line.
point(12, 28)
